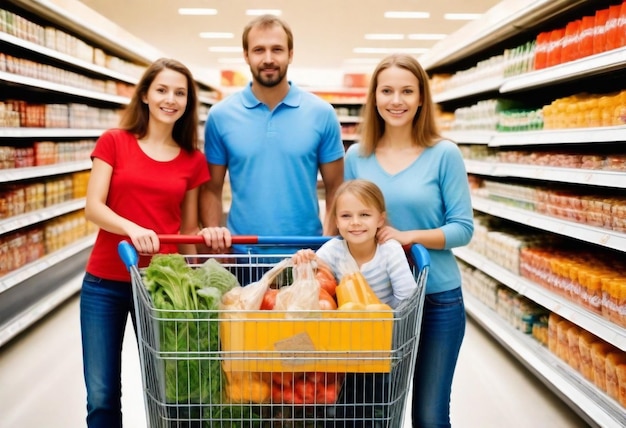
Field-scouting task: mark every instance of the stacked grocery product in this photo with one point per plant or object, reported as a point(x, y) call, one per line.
point(584, 110)
point(41, 153)
point(54, 38)
point(589, 35)
point(29, 244)
point(519, 311)
point(593, 280)
point(580, 110)
point(593, 208)
point(597, 360)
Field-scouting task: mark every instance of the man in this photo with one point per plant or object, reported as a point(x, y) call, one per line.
point(272, 138)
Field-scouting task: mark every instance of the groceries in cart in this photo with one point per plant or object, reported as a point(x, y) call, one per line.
point(218, 353)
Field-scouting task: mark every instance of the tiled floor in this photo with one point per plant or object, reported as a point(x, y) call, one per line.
point(41, 383)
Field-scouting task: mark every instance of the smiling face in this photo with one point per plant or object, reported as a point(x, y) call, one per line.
point(268, 54)
point(166, 96)
point(397, 96)
point(357, 221)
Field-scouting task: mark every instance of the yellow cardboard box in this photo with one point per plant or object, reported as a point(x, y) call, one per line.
point(323, 341)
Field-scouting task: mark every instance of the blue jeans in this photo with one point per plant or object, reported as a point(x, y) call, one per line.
point(104, 309)
point(443, 328)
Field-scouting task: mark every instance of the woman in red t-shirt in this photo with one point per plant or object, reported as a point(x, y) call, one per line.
point(144, 181)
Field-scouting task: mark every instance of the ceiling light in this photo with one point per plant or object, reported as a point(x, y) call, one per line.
point(461, 16)
point(407, 14)
point(214, 35)
point(384, 36)
point(426, 36)
point(196, 11)
point(228, 49)
point(257, 12)
point(390, 50)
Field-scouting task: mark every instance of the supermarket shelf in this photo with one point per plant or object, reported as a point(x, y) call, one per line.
point(474, 88)
point(607, 134)
point(613, 179)
point(207, 100)
point(64, 89)
point(30, 270)
point(581, 395)
point(602, 63)
point(49, 133)
point(470, 137)
point(17, 222)
point(580, 316)
point(594, 235)
point(349, 119)
point(16, 174)
point(37, 311)
point(505, 20)
point(68, 59)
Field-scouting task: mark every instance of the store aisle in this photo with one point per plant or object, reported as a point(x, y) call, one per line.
point(42, 387)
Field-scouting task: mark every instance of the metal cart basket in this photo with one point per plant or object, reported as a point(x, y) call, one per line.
point(236, 369)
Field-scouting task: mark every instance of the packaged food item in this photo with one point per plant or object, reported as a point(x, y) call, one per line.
point(573, 334)
point(585, 341)
point(599, 351)
point(613, 360)
point(620, 370)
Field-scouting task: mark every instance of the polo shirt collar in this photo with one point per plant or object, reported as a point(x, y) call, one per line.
point(292, 99)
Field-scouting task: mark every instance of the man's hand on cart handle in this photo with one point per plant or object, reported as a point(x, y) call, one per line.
point(218, 239)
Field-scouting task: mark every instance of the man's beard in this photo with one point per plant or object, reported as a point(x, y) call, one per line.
point(271, 81)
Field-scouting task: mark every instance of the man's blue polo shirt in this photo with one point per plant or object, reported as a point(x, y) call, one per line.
point(273, 159)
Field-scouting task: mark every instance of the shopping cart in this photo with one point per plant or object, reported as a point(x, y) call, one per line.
point(237, 369)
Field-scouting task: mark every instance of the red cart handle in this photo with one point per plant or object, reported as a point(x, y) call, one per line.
point(248, 239)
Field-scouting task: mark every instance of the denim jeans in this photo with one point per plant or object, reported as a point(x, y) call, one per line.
point(443, 328)
point(104, 309)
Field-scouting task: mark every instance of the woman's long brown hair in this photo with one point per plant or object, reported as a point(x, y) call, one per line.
point(136, 115)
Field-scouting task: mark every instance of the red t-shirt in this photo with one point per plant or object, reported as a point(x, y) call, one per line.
point(145, 191)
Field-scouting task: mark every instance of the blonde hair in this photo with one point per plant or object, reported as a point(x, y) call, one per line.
point(364, 190)
point(372, 127)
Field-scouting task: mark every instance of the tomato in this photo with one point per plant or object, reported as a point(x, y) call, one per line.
point(327, 302)
point(327, 395)
point(288, 396)
point(269, 299)
point(326, 279)
point(284, 379)
point(304, 391)
point(316, 377)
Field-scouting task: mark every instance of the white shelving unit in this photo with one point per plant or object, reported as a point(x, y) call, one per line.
point(33, 290)
point(509, 20)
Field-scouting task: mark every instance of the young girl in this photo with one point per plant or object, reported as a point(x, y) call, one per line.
point(144, 181)
point(359, 212)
